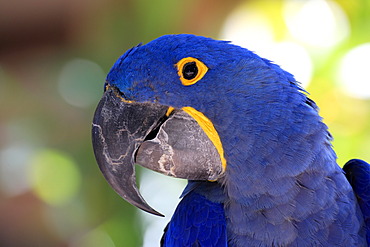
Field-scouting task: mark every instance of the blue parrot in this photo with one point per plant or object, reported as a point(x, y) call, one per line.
point(259, 162)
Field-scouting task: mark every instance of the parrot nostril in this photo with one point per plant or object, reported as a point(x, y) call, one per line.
point(118, 92)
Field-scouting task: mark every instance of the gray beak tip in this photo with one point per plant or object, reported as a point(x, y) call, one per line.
point(174, 144)
point(115, 138)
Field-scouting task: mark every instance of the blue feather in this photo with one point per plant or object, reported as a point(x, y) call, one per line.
point(196, 222)
point(358, 174)
point(282, 186)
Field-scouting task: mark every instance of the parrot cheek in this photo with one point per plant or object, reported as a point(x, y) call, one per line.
point(166, 140)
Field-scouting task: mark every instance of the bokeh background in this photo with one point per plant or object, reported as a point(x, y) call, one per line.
point(54, 56)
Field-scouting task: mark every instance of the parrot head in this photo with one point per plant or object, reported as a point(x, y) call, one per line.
point(189, 107)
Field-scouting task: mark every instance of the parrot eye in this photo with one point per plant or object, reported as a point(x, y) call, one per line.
point(190, 70)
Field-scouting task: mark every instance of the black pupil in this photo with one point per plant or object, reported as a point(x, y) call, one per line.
point(190, 70)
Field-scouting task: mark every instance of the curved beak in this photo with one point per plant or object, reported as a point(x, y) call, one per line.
point(158, 137)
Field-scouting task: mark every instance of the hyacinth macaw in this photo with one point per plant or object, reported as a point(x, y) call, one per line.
point(259, 162)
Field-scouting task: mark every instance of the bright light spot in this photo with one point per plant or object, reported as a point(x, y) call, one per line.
point(81, 82)
point(163, 194)
point(319, 23)
point(251, 29)
point(248, 28)
point(54, 176)
point(353, 72)
point(95, 238)
point(14, 168)
point(293, 58)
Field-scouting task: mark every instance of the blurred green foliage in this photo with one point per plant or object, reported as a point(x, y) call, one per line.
point(53, 60)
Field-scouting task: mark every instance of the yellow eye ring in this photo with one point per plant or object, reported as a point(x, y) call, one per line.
point(190, 70)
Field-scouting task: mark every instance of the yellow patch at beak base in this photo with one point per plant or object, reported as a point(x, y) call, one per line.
point(210, 131)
